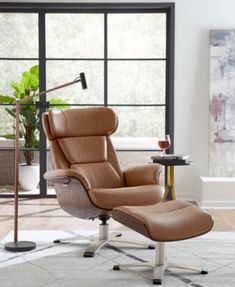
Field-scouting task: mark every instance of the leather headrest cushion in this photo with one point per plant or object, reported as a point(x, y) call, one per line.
point(82, 122)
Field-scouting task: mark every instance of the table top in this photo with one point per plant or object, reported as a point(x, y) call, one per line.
point(171, 162)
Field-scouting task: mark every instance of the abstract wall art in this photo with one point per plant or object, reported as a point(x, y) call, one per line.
point(222, 103)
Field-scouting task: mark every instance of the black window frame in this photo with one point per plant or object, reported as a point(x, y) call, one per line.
point(105, 8)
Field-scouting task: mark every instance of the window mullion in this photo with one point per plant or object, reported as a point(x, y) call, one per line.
point(105, 59)
point(42, 87)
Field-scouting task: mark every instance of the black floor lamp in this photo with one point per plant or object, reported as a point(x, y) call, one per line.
point(19, 246)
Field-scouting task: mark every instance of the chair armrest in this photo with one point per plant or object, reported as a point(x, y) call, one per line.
point(142, 175)
point(60, 174)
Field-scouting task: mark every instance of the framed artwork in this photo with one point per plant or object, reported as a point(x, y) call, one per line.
point(222, 103)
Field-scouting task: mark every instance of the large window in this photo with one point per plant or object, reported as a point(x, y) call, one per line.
point(124, 56)
point(125, 50)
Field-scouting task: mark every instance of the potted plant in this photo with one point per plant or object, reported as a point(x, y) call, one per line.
point(29, 124)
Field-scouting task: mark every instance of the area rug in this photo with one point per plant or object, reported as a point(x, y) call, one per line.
point(53, 265)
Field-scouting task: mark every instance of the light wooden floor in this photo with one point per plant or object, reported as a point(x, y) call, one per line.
point(46, 214)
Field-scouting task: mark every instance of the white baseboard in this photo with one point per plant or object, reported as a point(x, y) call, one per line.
point(218, 192)
point(218, 204)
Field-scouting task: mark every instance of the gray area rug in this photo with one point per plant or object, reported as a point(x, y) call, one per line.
point(52, 265)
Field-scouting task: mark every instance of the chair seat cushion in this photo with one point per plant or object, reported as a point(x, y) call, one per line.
point(108, 198)
point(169, 221)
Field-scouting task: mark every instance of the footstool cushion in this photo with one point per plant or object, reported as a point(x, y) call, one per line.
point(168, 221)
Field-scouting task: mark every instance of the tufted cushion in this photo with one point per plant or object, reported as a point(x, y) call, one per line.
point(84, 149)
point(80, 122)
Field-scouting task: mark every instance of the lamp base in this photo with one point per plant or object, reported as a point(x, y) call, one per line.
point(20, 246)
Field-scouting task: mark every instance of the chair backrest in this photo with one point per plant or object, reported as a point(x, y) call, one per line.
point(80, 139)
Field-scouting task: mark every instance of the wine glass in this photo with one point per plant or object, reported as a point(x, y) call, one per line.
point(164, 143)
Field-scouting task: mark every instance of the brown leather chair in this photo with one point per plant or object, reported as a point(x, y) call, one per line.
point(87, 177)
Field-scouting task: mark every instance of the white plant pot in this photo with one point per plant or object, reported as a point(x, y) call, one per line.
point(29, 176)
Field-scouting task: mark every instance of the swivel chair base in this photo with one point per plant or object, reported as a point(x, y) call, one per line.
point(97, 241)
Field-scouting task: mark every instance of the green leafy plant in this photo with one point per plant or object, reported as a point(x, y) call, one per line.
point(29, 119)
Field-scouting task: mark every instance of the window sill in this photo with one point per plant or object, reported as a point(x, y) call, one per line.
point(135, 143)
point(125, 144)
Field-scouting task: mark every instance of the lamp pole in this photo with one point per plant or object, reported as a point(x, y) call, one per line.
point(20, 246)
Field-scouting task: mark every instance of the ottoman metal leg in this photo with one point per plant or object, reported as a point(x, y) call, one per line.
point(179, 266)
point(160, 263)
point(159, 266)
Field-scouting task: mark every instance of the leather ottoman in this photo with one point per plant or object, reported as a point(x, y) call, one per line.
point(163, 222)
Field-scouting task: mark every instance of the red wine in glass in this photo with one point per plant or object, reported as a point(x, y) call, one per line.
point(164, 143)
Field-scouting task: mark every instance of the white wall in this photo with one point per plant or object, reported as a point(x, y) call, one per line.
point(194, 19)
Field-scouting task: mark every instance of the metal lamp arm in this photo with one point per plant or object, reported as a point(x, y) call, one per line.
point(78, 79)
